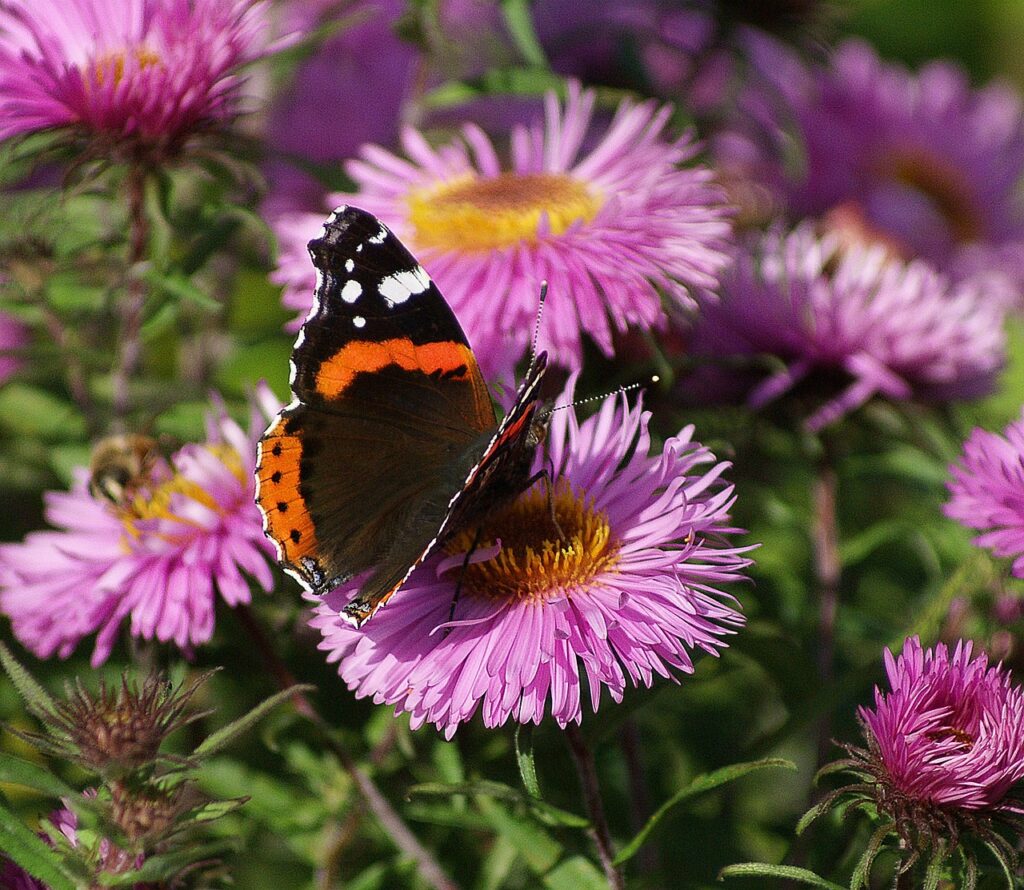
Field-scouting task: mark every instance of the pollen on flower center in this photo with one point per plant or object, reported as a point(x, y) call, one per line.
point(939, 184)
point(113, 64)
point(535, 561)
point(960, 736)
point(156, 502)
point(484, 214)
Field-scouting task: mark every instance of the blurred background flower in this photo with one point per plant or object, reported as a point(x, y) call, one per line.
point(987, 491)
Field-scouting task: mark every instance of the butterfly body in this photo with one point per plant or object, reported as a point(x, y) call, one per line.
point(391, 444)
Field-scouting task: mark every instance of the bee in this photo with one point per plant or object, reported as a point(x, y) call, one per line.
point(120, 465)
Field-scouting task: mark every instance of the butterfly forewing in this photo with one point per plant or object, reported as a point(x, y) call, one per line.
point(356, 472)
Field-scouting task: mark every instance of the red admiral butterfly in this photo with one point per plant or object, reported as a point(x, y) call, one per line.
point(391, 444)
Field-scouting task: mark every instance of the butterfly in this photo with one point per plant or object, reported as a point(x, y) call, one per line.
point(391, 444)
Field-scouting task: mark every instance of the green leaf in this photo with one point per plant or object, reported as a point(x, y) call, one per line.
point(227, 734)
point(34, 413)
point(787, 872)
point(32, 853)
point(538, 849)
point(520, 25)
point(497, 81)
point(181, 287)
point(37, 699)
point(575, 873)
point(31, 775)
point(160, 867)
point(524, 759)
point(699, 785)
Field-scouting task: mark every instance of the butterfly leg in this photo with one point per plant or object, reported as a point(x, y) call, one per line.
point(462, 574)
point(548, 475)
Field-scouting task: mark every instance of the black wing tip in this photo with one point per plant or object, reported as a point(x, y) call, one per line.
point(344, 223)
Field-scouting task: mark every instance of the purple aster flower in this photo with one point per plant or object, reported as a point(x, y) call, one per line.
point(628, 593)
point(928, 164)
point(610, 228)
point(13, 337)
point(899, 330)
point(150, 71)
point(945, 747)
point(159, 555)
point(988, 491)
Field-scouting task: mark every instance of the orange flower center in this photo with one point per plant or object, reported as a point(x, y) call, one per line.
point(157, 502)
point(112, 64)
point(538, 559)
point(474, 214)
point(941, 185)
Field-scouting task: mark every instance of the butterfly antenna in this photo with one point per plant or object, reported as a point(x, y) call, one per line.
point(536, 325)
point(614, 392)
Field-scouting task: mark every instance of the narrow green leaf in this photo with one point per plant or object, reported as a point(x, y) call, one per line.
point(524, 759)
point(160, 867)
point(575, 873)
point(227, 734)
point(862, 873)
point(702, 783)
point(1003, 864)
point(787, 872)
point(37, 699)
point(544, 812)
point(181, 287)
point(30, 775)
point(519, 21)
point(23, 846)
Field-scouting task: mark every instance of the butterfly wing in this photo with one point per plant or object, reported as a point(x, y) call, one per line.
point(355, 473)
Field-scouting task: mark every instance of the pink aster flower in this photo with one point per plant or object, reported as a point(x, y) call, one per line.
point(629, 592)
point(611, 227)
point(159, 555)
point(146, 70)
point(988, 491)
point(951, 730)
point(945, 748)
point(894, 329)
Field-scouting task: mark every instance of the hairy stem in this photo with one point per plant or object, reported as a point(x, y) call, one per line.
point(639, 796)
point(376, 803)
point(132, 303)
point(827, 575)
point(599, 832)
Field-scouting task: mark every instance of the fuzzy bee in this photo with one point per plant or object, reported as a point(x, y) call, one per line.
point(120, 466)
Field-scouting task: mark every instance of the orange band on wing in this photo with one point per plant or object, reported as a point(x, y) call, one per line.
point(336, 374)
point(284, 509)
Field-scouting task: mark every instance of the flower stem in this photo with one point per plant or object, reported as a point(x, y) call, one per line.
point(827, 567)
point(132, 303)
point(639, 798)
point(386, 815)
point(599, 832)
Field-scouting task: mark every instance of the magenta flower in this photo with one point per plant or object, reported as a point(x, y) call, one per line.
point(13, 337)
point(629, 592)
point(898, 330)
point(147, 70)
point(160, 556)
point(920, 161)
point(988, 491)
point(610, 228)
point(950, 732)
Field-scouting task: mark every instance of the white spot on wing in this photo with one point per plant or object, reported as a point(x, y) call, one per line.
point(350, 264)
point(382, 233)
point(359, 321)
point(352, 291)
point(397, 288)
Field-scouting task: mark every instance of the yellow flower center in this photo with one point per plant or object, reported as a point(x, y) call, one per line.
point(156, 502)
point(941, 185)
point(112, 64)
point(536, 561)
point(473, 214)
